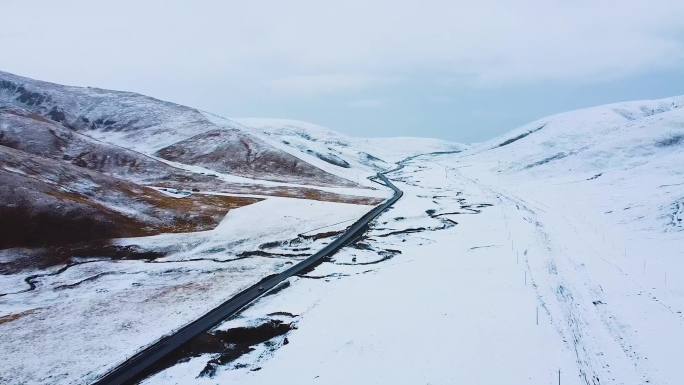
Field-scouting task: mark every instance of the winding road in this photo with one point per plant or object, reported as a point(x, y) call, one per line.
point(138, 366)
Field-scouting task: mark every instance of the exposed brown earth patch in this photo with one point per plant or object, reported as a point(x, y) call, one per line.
point(229, 344)
point(16, 316)
point(72, 254)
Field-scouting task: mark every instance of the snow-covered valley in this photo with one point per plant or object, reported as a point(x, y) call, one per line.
point(552, 254)
point(569, 270)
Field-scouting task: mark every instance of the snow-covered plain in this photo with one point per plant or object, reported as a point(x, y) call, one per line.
point(551, 254)
point(87, 317)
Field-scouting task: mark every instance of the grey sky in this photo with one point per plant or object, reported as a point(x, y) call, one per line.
point(460, 70)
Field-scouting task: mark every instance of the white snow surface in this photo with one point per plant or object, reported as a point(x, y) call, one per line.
point(555, 257)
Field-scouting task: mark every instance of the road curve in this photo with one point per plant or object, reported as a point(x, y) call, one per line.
point(138, 366)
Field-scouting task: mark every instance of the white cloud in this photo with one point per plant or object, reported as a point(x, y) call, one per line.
point(341, 47)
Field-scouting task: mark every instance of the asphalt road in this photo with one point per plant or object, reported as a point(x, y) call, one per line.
point(138, 367)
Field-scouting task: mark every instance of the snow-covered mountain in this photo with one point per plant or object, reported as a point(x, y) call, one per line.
point(621, 135)
point(630, 154)
point(157, 128)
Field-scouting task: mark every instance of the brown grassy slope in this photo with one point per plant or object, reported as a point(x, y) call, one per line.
point(232, 151)
point(46, 202)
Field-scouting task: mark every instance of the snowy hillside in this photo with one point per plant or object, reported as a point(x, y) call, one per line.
point(221, 150)
point(136, 121)
point(618, 135)
point(341, 154)
point(149, 125)
point(631, 152)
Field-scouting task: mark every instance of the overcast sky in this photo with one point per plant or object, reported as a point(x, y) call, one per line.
point(460, 70)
